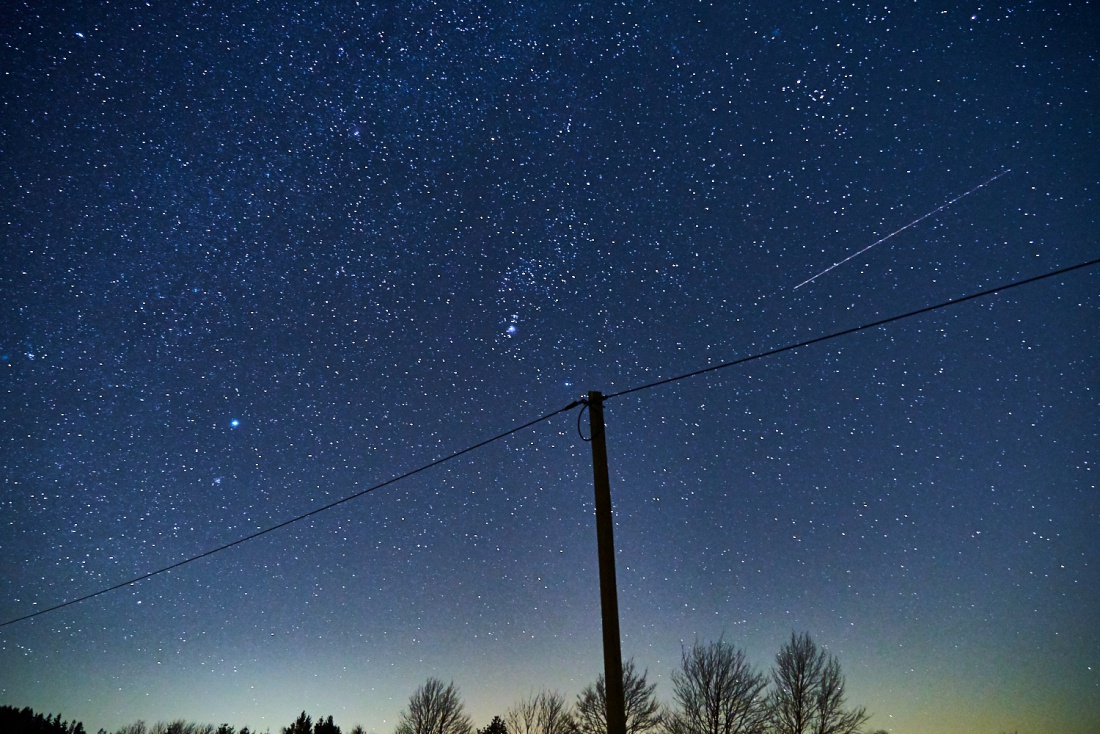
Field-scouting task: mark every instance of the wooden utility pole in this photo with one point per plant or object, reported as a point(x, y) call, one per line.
point(609, 596)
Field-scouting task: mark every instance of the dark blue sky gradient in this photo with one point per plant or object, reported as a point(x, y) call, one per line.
point(260, 256)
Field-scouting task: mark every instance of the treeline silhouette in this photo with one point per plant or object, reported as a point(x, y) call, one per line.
point(26, 721)
point(715, 690)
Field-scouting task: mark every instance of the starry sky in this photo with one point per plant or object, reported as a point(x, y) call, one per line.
point(260, 256)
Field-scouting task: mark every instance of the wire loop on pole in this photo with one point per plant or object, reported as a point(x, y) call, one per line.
point(580, 415)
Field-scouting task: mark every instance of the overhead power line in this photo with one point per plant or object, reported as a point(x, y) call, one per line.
point(845, 332)
point(292, 520)
point(529, 424)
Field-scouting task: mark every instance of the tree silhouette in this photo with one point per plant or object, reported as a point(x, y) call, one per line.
point(26, 721)
point(302, 725)
point(138, 727)
point(546, 713)
point(325, 726)
point(642, 710)
point(434, 709)
point(180, 726)
point(496, 726)
point(807, 695)
point(716, 691)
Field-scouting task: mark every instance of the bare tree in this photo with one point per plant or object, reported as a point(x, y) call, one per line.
point(434, 708)
point(138, 727)
point(546, 713)
point(179, 726)
point(642, 710)
point(807, 695)
point(716, 691)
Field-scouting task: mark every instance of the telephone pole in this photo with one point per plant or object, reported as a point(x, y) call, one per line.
point(609, 597)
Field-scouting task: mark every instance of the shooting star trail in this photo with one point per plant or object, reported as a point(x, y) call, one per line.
point(937, 210)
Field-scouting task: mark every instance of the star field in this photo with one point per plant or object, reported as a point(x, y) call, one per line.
point(258, 257)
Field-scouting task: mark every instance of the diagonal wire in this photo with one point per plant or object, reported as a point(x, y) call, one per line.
point(871, 325)
point(285, 523)
point(570, 406)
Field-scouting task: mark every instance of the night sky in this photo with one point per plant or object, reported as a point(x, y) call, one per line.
point(260, 256)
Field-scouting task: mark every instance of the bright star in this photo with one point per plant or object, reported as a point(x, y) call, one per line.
point(234, 423)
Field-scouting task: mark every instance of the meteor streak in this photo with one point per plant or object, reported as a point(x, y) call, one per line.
point(938, 209)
